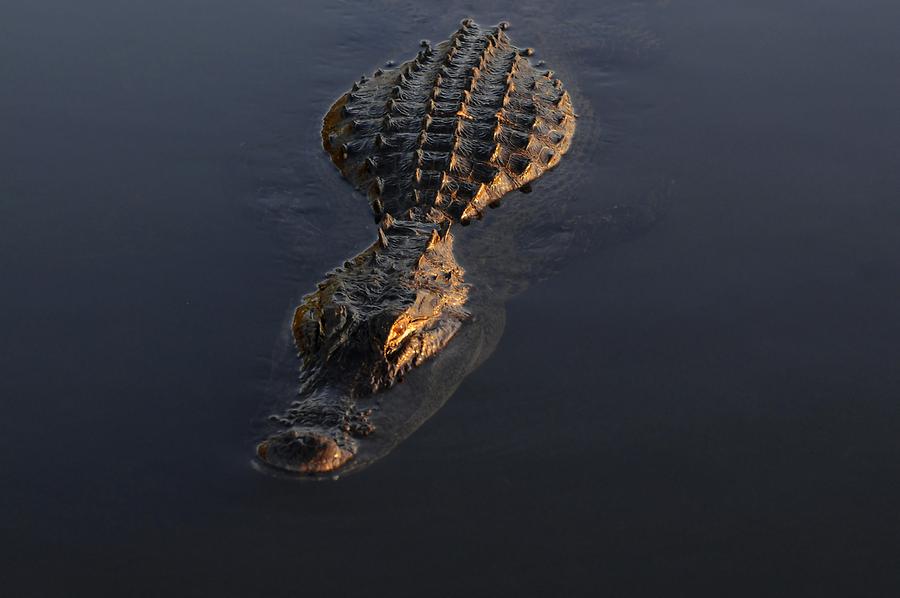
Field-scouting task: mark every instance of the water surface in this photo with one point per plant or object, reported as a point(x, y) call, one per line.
point(707, 409)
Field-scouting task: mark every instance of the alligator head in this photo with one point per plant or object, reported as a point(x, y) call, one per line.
point(372, 320)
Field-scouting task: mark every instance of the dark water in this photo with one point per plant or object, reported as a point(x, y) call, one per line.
point(708, 409)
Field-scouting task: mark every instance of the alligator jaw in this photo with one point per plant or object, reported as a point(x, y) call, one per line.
point(304, 450)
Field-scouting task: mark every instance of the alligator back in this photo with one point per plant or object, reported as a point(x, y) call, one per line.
point(455, 128)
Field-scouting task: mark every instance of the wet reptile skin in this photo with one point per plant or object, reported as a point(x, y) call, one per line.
point(432, 142)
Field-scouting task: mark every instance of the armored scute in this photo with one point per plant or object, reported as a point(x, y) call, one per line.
point(431, 142)
point(456, 128)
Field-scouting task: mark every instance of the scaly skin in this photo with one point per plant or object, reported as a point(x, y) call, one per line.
point(382, 313)
point(456, 128)
point(434, 141)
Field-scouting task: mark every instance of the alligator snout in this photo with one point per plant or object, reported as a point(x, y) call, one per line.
point(303, 450)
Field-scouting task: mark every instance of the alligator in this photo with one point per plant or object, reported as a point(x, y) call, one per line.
point(432, 142)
